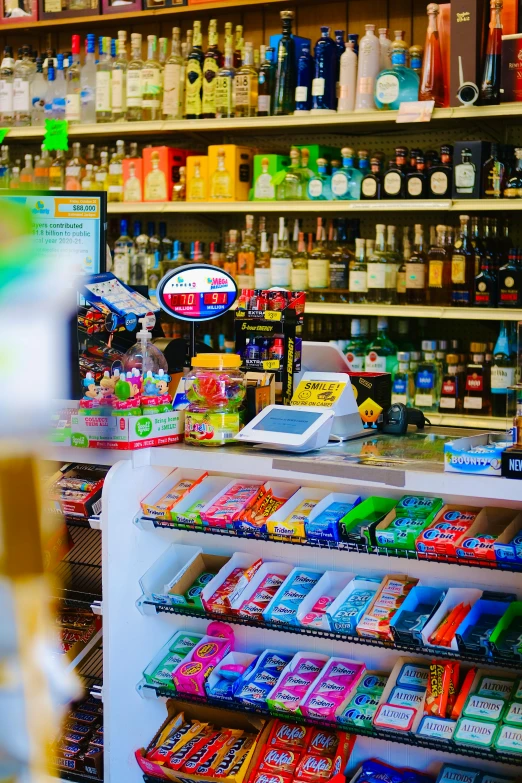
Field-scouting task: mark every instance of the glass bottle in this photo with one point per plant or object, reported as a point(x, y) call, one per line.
point(427, 379)
point(194, 76)
point(440, 176)
point(57, 172)
point(281, 259)
point(262, 275)
point(6, 87)
point(401, 271)
point(465, 174)
point(292, 188)
point(60, 90)
point(493, 175)
point(115, 176)
point(510, 281)
point(14, 183)
point(340, 259)
point(134, 81)
point(393, 259)
point(22, 77)
point(74, 85)
point(477, 383)
point(341, 48)
point(346, 183)
point(119, 79)
point(513, 187)
point(299, 276)
point(74, 169)
point(376, 267)
point(151, 82)
point(324, 84)
point(139, 258)
point(502, 374)
point(381, 352)
point(41, 170)
point(394, 182)
point(266, 83)
point(238, 46)
point(285, 77)
point(179, 188)
point(355, 348)
point(304, 81)
point(102, 172)
point(27, 174)
point(319, 260)
point(416, 277)
point(246, 85)
point(485, 287)
point(358, 275)
point(371, 183)
point(122, 253)
point(319, 186)
point(415, 53)
point(174, 80)
point(103, 82)
point(50, 93)
point(490, 85)
point(88, 181)
point(5, 168)
point(212, 63)
point(416, 181)
point(153, 261)
point(220, 180)
point(38, 88)
point(462, 267)
point(347, 79)
point(385, 47)
point(368, 70)
point(396, 84)
point(246, 256)
point(225, 86)
point(451, 386)
point(401, 379)
point(432, 78)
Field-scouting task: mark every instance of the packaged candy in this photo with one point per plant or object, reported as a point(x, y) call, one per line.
point(235, 582)
point(438, 690)
point(261, 676)
point(279, 761)
point(190, 675)
point(403, 525)
point(312, 769)
point(446, 531)
point(333, 687)
point(323, 743)
point(190, 745)
point(175, 740)
point(375, 622)
point(289, 735)
point(462, 694)
point(323, 523)
point(269, 498)
point(349, 607)
point(262, 596)
point(233, 758)
point(230, 503)
point(285, 604)
point(295, 681)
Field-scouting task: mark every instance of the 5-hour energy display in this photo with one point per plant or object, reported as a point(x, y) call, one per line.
point(197, 292)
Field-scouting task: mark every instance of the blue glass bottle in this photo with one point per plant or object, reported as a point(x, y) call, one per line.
point(346, 183)
point(341, 48)
point(354, 38)
point(303, 90)
point(324, 85)
point(319, 186)
point(397, 84)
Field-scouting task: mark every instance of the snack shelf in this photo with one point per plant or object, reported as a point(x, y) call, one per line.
point(419, 311)
point(80, 572)
point(447, 746)
point(77, 777)
point(438, 652)
point(342, 546)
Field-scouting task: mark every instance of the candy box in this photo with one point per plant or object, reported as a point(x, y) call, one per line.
point(289, 735)
point(187, 510)
point(331, 690)
point(358, 525)
point(312, 609)
point(351, 603)
point(417, 608)
point(375, 621)
point(460, 455)
point(508, 546)
point(219, 684)
point(217, 717)
point(262, 675)
point(473, 634)
point(364, 701)
point(160, 669)
point(455, 597)
point(446, 531)
point(407, 674)
point(401, 527)
point(508, 740)
point(288, 522)
point(229, 504)
point(190, 675)
point(478, 542)
point(77, 491)
point(220, 594)
point(436, 728)
point(449, 773)
point(480, 733)
point(295, 679)
point(260, 591)
point(322, 524)
point(169, 567)
point(505, 639)
point(186, 588)
point(285, 604)
point(270, 497)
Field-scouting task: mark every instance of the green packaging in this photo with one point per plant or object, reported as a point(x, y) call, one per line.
point(509, 740)
point(266, 169)
point(475, 732)
point(319, 151)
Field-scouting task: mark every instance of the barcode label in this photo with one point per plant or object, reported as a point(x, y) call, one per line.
point(97, 506)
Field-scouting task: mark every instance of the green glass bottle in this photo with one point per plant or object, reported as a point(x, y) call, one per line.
point(284, 98)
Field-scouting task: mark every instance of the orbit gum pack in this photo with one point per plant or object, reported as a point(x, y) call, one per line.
point(401, 527)
point(446, 531)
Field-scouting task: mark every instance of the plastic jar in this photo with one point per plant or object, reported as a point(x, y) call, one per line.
point(215, 389)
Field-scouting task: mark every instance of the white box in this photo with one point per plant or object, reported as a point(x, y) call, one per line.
point(238, 560)
point(233, 657)
point(205, 491)
point(172, 564)
point(355, 584)
point(275, 567)
point(331, 583)
point(275, 523)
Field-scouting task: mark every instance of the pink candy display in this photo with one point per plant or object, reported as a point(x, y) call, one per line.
point(190, 675)
point(332, 688)
point(315, 616)
point(295, 680)
point(259, 600)
point(229, 504)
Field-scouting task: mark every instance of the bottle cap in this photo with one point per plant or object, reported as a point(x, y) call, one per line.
point(403, 356)
point(452, 358)
point(429, 345)
point(382, 322)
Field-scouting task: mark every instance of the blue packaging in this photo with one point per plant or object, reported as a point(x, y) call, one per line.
point(223, 689)
point(373, 771)
point(346, 617)
point(510, 552)
point(285, 604)
point(256, 683)
point(325, 526)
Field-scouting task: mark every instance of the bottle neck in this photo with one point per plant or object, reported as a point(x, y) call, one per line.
point(136, 51)
point(432, 23)
point(151, 50)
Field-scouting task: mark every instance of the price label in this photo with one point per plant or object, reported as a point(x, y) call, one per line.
point(271, 364)
point(272, 315)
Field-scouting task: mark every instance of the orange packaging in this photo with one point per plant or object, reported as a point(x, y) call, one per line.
point(160, 171)
point(229, 172)
point(197, 178)
point(463, 694)
point(132, 179)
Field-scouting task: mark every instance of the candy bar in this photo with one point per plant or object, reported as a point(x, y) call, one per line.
point(179, 735)
point(289, 735)
point(314, 768)
point(210, 752)
point(267, 777)
point(279, 761)
point(233, 760)
point(437, 689)
point(323, 743)
point(186, 750)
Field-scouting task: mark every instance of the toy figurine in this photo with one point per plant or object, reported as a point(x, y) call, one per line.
point(156, 397)
point(107, 385)
point(162, 384)
point(92, 396)
point(128, 393)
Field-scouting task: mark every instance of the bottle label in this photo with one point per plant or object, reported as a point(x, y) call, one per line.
point(263, 103)
point(448, 403)
point(392, 183)
point(339, 275)
point(401, 282)
point(390, 271)
point(415, 275)
point(501, 378)
point(121, 264)
point(375, 363)
point(134, 90)
point(397, 398)
point(435, 274)
point(464, 177)
point(458, 270)
point(318, 86)
point(72, 171)
point(415, 186)
point(376, 275)
point(449, 388)
point(301, 94)
point(72, 107)
point(508, 292)
point(474, 382)
point(171, 89)
point(482, 295)
point(318, 272)
point(193, 83)
point(339, 184)
point(387, 88)
point(6, 96)
point(20, 95)
point(358, 282)
point(425, 380)
point(423, 400)
point(473, 403)
point(224, 95)
point(281, 270)
point(356, 362)
point(103, 91)
point(366, 85)
point(245, 281)
point(101, 176)
point(243, 83)
point(209, 86)
point(369, 187)
point(116, 169)
point(151, 81)
point(262, 278)
point(315, 188)
point(439, 183)
point(400, 385)
point(117, 91)
point(299, 280)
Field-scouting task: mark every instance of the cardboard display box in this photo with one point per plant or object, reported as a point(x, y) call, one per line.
point(127, 432)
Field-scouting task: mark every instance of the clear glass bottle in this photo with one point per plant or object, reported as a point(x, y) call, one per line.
point(416, 268)
point(119, 79)
point(347, 79)
point(355, 349)
point(225, 86)
point(299, 278)
point(102, 172)
point(246, 85)
point(220, 179)
point(396, 84)
point(324, 84)
point(266, 83)
point(41, 171)
point(74, 169)
point(121, 257)
point(281, 259)
point(14, 183)
point(381, 352)
point(88, 84)
point(6, 88)
point(262, 274)
point(490, 86)
point(239, 44)
point(115, 176)
point(174, 80)
point(462, 267)
point(27, 174)
point(73, 80)
point(103, 83)
point(230, 262)
point(292, 188)
point(376, 269)
point(358, 275)
point(22, 76)
point(194, 76)
point(50, 93)
point(246, 256)
point(152, 82)
point(139, 258)
point(57, 172)
point(432, 78)
point(38, 88)
point(134, 81)
point(346, 183)
point(368, 70)
point(319, 261)
point(212, 63)
point(88, 182)
point(285, 78)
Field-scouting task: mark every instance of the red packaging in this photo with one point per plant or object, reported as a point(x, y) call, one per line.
point(346, 743)
point(279, 761)
point(233, 758)
point(289, 735)
point(463, 693)
point(454, 683)
point(438, 689)
point(178, 759)
point(314, 768)
point(213, 752)
point(266, 777)
point(323, 743)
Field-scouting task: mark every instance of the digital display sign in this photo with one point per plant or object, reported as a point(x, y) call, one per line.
point(197, 292)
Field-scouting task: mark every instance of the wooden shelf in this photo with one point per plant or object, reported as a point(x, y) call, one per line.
point(415, 311)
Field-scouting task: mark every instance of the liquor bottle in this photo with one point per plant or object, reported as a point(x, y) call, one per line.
point(381, 352)
point(88, 83)
point(179, 188)
point(346, 183)
point(416, 277)
point(427, 379)
point(493, 175)
point(6, 87)
point(432, 79)
point(74, 85)
point(385, 47)
point(285, 77)
point(281, 259)
point(502, 375)
point(340, 261)
point(194, 76)
point(304, 81)
point(27, 174)
point(393, 185)
point(513, 187)
point(371, 183)
point(225, 86)
point(477, 383)
point(401, 379)
point(450, 390)
point(163, 44)
point(490, 85)
point(465, 174)
point(41, 170)
point(50, 93)
point(246, 257)
point(151, 82)
point(292, 188)
point(266, 83)
point(246, 85)
point(101, 173)
point(347, 79)
point(38, 87)
point(60, 91)
point(262, 276)
point(88, 181)
point(415, 53)
point(119, 79)
point(324, 84)
point(134, 81)
point(462, 267)
point(5, 168)
point(401, 271)
point(485, 286)
point(220, 179)
point(354, 38)
point(115, 176)
point(103, 82)
point(358, 275)
point(74, 169)
point(22, 76)
point(440, 176)
point(174, 80)
point(139, 258)
point(416, 181)
point(510, 282)
point(392, 264)
point(396, 84)
point(122, 253)
point(376, 269)
point(167, 245)
point(341, 48)
point(212, 63)
point(319, 260)
point(368, 70)
point(299, 276)
point(355, 349)
point(319, 186)
point(153, 262)
point(57, 172)
point(239, 44)
point(14, 183)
